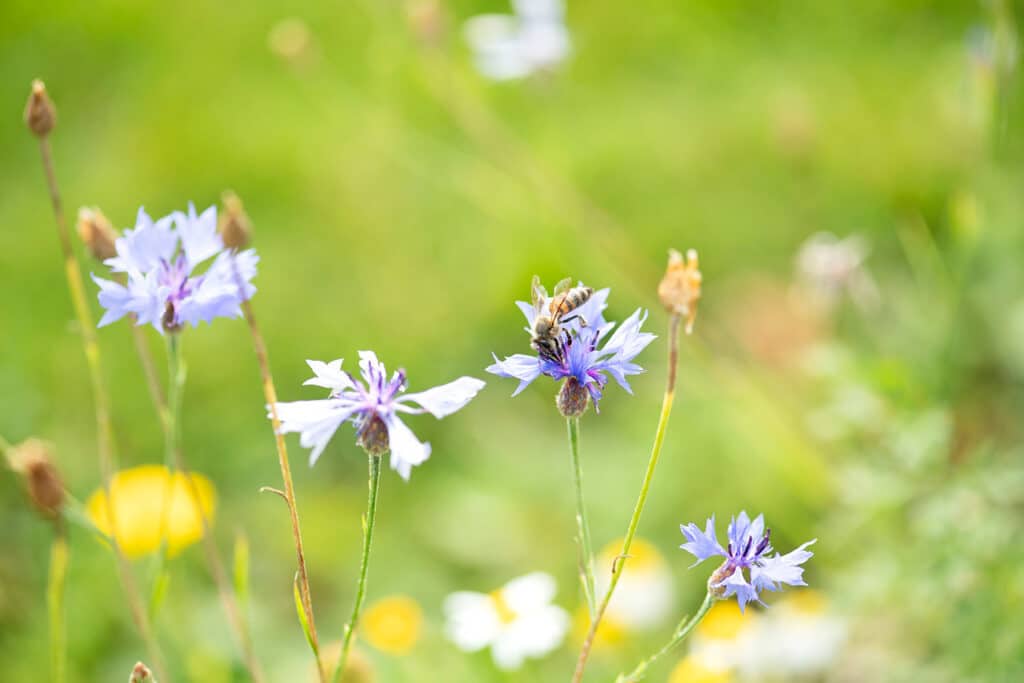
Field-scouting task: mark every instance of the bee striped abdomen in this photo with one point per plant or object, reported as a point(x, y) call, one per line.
point(571, 300)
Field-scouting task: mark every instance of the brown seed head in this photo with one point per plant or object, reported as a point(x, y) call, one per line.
point(679, 290)
point(141, 674)
point(426, 20)
point(572, 398)
point(33, 460)
point(40, 114)
point(235, 226)
point(373, 437)
point(97, 233)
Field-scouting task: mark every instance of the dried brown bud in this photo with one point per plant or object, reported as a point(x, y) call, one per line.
point(679, 290)
point(32, 459)
point(715, 587)
point(40, 114)
point(572, 398)
point(141, 674)
point(235, 226)
point(97, 233)
point(169, 320)
point(427, 20)
point(373, 436)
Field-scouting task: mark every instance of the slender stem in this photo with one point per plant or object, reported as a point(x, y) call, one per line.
point(149, 370)
point(55, 591)
point(105, 438)
point(582, 526)
point(170, 412)
point(682, 631)
point(371, 515)
point(659, 439)
point(270, 395)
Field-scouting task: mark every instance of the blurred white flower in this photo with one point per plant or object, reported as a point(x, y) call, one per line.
point(645, 595)
point(517, 621)
point(797, 636)
point(507, 46)
point(830, 267)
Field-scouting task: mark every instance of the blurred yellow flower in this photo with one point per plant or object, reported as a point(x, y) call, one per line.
point(725, 621)
point(692, 670)
point(393, 624)
point(610, 633)
point(645, 595)
point(138, 495)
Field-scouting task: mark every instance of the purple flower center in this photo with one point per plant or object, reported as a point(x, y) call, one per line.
point(750, 553)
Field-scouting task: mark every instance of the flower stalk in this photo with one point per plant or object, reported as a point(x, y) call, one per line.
point(270, 396)
point(170, 412)
point(368, 524)
point(582, 525)
point(659, 439)
point(683, 630)
point(55, 590)
point(36, 112)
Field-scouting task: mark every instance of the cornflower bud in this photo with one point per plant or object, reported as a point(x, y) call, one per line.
point(235, 226)
point(679, 290)
point(33, 460)
point(97, 233)
point(40, 114)
point(572, 398)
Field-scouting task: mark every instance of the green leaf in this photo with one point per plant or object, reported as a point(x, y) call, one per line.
point(302, 616)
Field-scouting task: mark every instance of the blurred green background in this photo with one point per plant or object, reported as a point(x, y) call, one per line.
point(401, 203)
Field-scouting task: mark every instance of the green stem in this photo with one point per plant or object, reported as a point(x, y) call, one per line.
point(659, 439)
point(55, 590)
point(371, 515)
point(172, 430)
point(582, 526)
point(680, 634)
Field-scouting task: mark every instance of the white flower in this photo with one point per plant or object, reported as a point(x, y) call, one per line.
point(830, 267)
point(645, 594)
point(513, 46)
point(517, 621)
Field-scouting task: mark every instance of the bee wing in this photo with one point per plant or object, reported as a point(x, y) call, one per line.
point(537, 293)
point(563, 286)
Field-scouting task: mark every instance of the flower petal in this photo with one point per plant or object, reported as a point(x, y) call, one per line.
point(329, 375)
point(315, 421)
point(768, 572)
point(142, 249)
point(199, 238)
point(520, 366)
point(739, 529)
point(406, 449)
point(471, 621)
point(446, 399)
point(533, 590)
point(701, 544)
point(737, 585)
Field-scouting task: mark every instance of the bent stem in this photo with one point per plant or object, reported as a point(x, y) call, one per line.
point(170, 415)
point(270, 396)
point(659, 439)
point(55, 590)
point(582, 526)
point(105, 434)
point(371, 515)
point(682, 631)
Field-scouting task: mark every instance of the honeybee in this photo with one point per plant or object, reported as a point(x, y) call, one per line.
point(547, 325)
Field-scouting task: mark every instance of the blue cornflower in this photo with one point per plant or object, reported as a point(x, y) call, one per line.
point(372, 406)
point(160, 259)
point(581, 357)
point(749, 545)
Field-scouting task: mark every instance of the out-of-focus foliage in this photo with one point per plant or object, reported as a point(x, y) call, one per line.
point(401, 202)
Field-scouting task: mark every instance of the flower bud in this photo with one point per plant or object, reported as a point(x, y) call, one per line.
point(169, 320)
point(572, 398)
point(426, 20)
point(715, 587)
point(679, 290)
point(97, 233)
point(141, 674)
point(32, 459)
point(373, 436)
point(40, 114)
point(235, 226)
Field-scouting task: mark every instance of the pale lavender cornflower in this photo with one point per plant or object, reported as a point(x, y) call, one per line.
point(581, 357)
point(372, 406)
point(748, 548)
point(160, 259)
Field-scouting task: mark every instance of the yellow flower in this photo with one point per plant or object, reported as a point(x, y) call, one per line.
point(393, 624)
point(692, 670)
point(725, 621)
point(610, 633)
point(138, 496)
